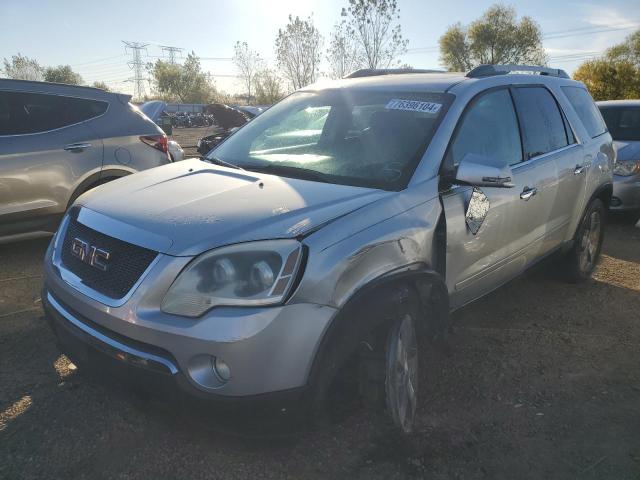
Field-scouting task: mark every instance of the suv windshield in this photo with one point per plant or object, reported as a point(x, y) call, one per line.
point(623, 122)
point(369, 139)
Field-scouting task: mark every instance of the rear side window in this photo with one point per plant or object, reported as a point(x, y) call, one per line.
point(22, 112)
point(623, 122)
point(542, 124)
point(586, 110)
point(489, 128)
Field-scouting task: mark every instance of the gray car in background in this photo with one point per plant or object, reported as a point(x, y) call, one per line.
point(59, 141)
point(623, 121)
point(333, 233)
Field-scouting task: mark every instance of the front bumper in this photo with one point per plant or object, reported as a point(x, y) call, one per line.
point(626, 193)
point(268, 349)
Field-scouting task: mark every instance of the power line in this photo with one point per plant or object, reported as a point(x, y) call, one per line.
point(137, 66)
point(577, 56)
point(101, 75)
point(589, 32)
point(552, 35)
point(98, 60)
point(224, 59)
point(102, 67)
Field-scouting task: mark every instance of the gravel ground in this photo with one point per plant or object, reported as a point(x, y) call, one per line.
point(188, 139)
point(542, 381)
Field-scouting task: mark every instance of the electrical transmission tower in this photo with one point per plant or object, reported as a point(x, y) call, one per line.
point(171, 51)
point(137, 65)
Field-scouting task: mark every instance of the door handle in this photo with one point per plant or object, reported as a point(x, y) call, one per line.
point(580, 168)
point(76, 147)
point(527, 193)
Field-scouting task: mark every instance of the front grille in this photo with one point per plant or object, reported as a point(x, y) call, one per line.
point(126, 264)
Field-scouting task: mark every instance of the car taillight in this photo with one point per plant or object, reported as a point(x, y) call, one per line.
point(159, 142)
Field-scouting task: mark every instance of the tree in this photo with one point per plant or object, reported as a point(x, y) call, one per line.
point(496, 37)
point(609, 79)
point(101, 86)
point(186, 83)
point(343, 53)
point(62, 74)
point(268, 87)
point(629, 50)
point(298, 51)
point(375, 27)
point(455, 51)
point(248, 62)
point(22, 68)
point(616, 75)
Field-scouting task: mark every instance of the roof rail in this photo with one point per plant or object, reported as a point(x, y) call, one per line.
point(490, 70)
point(123, 97)
point(373, 72)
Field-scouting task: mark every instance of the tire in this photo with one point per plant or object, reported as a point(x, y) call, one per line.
point(76, 194)
point(390, 367)
point(583, 257)
point(401, 380)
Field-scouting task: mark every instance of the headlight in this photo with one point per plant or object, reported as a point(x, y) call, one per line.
point(247, 274)
point(626, 168)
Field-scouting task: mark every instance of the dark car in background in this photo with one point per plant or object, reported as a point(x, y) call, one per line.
point(227, 120)
point(623, 121)
point(58, 141)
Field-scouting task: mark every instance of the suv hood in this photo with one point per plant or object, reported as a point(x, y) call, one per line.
point(192, 206)
point(627, 150)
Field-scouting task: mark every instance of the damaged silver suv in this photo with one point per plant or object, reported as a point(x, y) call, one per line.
point(342, 225)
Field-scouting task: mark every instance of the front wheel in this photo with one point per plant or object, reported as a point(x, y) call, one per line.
point(401, 379)
point(583, 257)
point(389, 366)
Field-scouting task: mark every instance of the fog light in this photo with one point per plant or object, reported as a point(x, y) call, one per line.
point(222, 369)
point(615, 202)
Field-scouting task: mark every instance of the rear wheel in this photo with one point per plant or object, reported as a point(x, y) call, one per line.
point(583, 257)
point(75, 196)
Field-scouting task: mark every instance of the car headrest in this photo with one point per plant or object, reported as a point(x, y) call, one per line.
point(393, 123)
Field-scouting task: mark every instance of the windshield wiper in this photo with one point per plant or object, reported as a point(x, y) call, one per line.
point(217, 161)
point(293, 172)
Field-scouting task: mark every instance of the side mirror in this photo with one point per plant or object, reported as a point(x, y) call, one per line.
point(477, 170)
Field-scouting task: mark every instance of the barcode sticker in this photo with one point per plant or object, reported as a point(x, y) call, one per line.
point(413, 106)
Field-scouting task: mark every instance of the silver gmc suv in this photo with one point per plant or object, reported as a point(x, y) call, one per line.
point(339, 227)
point(58, 141)
point(623, 121)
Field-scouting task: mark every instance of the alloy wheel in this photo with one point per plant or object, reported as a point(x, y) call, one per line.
point(402, 374)
point(590, 241)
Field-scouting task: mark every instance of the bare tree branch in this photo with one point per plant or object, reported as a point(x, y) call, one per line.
point(248, 62)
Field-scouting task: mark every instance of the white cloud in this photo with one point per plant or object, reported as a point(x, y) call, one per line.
point(603, 16)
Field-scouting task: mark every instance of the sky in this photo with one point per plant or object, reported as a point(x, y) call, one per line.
point(89, 34)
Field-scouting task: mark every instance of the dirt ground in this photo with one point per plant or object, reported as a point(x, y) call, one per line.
point(188, 139)
point(542, 382)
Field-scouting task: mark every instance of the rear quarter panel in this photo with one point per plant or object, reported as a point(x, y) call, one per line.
point(121, 129)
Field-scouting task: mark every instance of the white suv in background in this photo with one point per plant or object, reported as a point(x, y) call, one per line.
point(58, 141)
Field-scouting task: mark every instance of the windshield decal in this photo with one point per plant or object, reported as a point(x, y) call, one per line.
point(413, 106)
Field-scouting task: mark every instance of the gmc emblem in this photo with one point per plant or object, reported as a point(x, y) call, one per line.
point(90, 254)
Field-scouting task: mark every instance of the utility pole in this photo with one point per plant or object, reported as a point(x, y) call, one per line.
point(137, 66)
point(171, 51)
